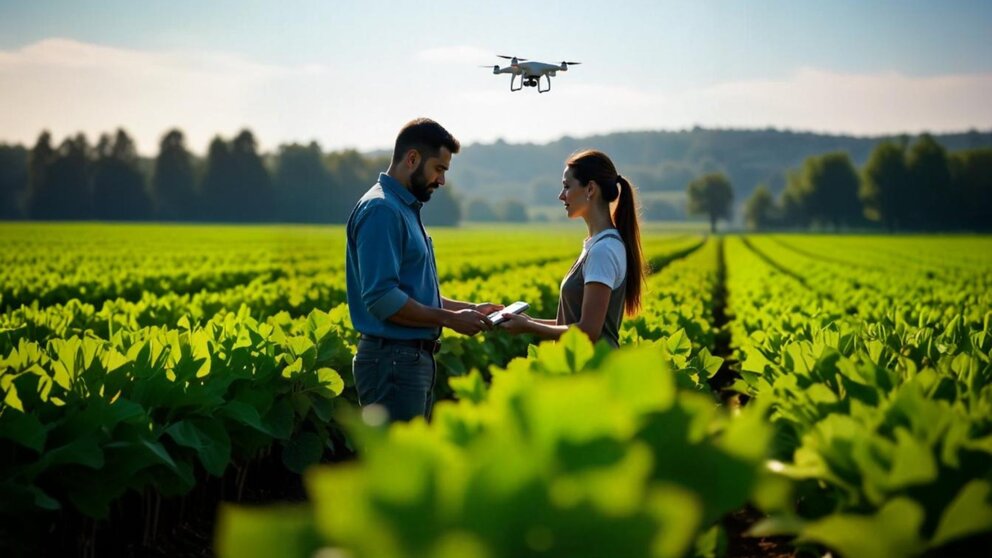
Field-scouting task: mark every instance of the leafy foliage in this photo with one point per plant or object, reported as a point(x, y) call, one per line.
point(880, 386)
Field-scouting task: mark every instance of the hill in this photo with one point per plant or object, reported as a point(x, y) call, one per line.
point(663, 161)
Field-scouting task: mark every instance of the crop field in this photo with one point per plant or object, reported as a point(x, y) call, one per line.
point(777, 395)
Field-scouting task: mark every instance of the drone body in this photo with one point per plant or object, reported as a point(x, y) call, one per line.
point(530, 72)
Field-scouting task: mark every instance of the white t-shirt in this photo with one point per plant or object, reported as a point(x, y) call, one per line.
point(606, 262)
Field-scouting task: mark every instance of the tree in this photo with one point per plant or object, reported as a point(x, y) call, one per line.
point(173, 180)
point(971, 175)
point(711, 195)
point(303, 186)
point(823, 191)
point(237, 186)
point(794, 212)
point(479, 211)
point(443, 209)
point(254, 200)
point(929, 180)
point(13, 180)
point(59, 183)
point(884, 179)
point(218, 182)
point(118, 185)
point(352, 174)
point(759, 210)
point(40, 159)
point(512, 211)
point(833, 189)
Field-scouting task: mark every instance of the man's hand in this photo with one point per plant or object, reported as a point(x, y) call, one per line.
point(468, 322)
point(487, 308)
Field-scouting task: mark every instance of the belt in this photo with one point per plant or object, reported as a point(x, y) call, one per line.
point(432, 346)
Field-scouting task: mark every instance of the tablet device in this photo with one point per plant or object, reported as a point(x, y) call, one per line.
point(517, 307)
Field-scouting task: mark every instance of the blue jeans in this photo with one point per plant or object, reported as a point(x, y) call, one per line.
point(397, 377)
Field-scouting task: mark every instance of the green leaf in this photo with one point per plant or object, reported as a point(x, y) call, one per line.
point(893, 531)
point(331, 381)
point(706, 362)
point(44, 501)
point(278, 422)
point(243, 413)
point(323, 408)
point(285, 531)
point(22, 428)
point(470, 387)
point(755, 361)
point(679, 344)
point(566, 356)
point(123, 410)
point(680, 515)
point(208, 438)
point(302, 451)
point(292, 369)
point(970, 512)
point(83, 451)
point(712, 543)
point(913, 462)
point(641, 378)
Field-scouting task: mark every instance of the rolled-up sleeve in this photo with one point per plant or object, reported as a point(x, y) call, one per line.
point(379, 237)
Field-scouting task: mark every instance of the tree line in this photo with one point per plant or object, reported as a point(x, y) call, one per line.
point(109, 181)
point(901, 187)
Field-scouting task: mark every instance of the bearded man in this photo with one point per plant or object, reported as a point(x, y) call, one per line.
point(393, 292)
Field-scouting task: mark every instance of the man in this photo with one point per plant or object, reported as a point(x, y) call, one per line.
point(393, 292)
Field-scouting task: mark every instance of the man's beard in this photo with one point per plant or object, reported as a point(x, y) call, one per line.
point(419, 186)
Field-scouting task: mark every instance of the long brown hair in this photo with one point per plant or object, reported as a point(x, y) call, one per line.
point(591, 165)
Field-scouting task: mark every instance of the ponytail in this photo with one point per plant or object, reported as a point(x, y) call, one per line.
point(625, 219)
point(593, 165)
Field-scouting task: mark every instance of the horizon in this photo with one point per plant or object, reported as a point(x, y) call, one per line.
point(349, 75)
point(273, 150)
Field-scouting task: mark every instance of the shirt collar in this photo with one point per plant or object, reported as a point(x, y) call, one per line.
point(394, 186)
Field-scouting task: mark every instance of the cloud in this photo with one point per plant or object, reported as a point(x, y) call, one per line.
point(866, 104)
point(67, 86)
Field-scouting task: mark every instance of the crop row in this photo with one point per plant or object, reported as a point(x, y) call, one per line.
point(155, 393)
point(880, 398)
point(572, 451)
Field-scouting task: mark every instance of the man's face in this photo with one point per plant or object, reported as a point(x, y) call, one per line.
point(429, 175)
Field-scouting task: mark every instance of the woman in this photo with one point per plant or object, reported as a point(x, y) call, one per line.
point(607, 278)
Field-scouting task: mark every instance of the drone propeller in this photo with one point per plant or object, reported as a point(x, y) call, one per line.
point(571, 63)
point(511, 57)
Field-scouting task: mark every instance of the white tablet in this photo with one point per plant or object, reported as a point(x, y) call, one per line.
point(517, 307)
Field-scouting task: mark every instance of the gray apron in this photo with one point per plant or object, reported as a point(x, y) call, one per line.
point(570, 298)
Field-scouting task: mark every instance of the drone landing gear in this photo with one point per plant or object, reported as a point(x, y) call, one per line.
point(539, 90)
point(513, 77)
point(530, 81)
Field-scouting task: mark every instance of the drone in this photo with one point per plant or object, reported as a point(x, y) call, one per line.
point(530, 72)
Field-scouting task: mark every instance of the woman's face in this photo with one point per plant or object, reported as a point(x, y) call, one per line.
point(573, 195)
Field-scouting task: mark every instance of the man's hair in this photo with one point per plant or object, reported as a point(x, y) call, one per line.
point(426, 136)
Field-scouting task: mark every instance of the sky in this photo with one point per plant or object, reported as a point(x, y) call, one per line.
point(350, 74)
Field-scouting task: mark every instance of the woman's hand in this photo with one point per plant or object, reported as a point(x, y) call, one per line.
point(517, 323)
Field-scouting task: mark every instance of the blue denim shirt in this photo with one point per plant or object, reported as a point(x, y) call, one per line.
point(390, 259)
